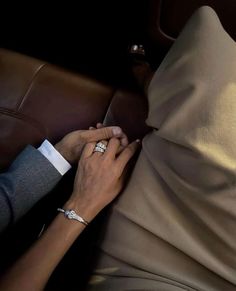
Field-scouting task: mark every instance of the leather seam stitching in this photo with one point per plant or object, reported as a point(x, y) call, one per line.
point(109, 104)
point(27, 119)
point(21, 102)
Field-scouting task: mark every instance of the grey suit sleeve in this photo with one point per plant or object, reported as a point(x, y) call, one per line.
point(30, 177)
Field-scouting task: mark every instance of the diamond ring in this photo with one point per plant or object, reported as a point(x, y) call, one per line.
point(100, 147)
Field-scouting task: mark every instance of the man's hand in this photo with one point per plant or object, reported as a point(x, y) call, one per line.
point(70, 147)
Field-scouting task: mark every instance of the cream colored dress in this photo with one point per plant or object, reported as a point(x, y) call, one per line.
point(174, 226)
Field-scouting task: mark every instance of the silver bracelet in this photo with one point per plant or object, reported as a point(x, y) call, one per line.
point(71, 214)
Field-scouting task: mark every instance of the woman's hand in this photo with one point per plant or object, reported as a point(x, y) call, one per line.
point(98, 180)
point(70, 147)
point(99, 177)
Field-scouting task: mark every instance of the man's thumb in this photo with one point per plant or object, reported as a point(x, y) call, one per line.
point(102, 133)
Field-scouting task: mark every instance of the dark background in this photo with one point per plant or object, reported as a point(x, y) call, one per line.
point(91, 37)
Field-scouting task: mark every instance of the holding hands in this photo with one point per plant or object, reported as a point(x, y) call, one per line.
point(100, 175)
point(99, 179)
point(71, 146)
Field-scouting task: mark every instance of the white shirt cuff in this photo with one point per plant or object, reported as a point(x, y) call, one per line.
point(54, 157)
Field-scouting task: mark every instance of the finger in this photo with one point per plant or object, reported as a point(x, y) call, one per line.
point(105, 142)
point(99, 125)
point(88, 150)
point(112, 147)
point(127, 154)
point(124, 175)
point(120, 149)
point(102, 133)
point(124, 140)
point(91, 128)
point(123, 137)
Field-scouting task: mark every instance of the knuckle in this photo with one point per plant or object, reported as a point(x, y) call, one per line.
point(105, 132)
point(113, 140)
point(107, 161)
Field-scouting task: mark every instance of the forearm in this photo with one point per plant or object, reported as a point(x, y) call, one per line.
point(30, 177)
point(98, 181)
point(33, 270)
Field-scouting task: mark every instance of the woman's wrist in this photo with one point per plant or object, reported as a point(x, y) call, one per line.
point(82, 207)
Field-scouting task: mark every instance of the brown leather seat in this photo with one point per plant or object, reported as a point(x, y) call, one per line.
point(38, 101)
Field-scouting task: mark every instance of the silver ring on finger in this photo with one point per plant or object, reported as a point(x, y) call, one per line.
point(101, 145)
point(99, 150)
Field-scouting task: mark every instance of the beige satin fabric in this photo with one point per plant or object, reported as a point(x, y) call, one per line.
point(174, 226)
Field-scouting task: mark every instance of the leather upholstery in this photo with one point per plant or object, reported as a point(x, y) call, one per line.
point(128, 110)
point(39, 101)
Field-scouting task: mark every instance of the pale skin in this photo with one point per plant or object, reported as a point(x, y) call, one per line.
point(98, 181)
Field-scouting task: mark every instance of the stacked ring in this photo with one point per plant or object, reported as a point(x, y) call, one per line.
point(100, 147)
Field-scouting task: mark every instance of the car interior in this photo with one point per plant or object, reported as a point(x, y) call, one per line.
point(67, 66)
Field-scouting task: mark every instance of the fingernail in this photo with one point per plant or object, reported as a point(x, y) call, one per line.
point(116, 130)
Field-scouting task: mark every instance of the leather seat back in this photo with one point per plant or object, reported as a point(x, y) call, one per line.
point(39, 101)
